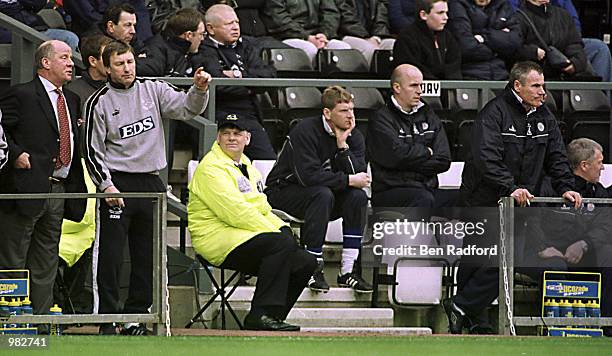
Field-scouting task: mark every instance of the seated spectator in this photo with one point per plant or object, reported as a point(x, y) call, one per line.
point(26, 11)
point(309, 24)
point(428, 45)
point(364, 26)
point(119, 23)
point(251, 25)
point(488, 35)
point(407, 146)
point(94, 77)
point(3, 146)
point(557, 29)
point(402, 13)
point(232, 226)
point(596, 50)
point(226, 54)
point(170, 53)
point(579, 240)
point(318, 177)
point(84, 13)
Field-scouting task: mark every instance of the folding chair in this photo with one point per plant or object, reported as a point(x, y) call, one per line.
point(219, 287)
point(221, 291)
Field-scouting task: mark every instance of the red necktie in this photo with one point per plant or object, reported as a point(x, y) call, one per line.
point(64, 131)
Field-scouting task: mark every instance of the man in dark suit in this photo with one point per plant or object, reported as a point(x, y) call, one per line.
point(41, 124)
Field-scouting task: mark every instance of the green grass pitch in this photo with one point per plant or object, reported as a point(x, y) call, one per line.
point(323, 346)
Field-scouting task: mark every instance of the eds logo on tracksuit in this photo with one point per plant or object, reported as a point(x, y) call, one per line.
point(136, 128)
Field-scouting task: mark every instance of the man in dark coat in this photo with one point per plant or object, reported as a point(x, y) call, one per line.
point(488, 35)
point(226, 54)
point(41, 123)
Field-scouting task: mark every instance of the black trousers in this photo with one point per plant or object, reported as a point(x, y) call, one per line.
point(317, 206)
point(282, 269)
point(406, 197)
point(134, 224)
point(33, 243)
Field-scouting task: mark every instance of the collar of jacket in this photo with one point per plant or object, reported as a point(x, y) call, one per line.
point(94, 83)
point(587, 189)
point(407, 116)
point(510, 98)
point(541, 10)
point(422, 26)
point(120, 86)
point(221, 156)
point(208, 41)
point(179, 44)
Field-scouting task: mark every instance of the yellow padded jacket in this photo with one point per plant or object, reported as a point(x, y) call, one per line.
point(225, 208)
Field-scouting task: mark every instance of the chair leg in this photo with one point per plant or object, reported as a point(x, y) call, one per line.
point(220, 290)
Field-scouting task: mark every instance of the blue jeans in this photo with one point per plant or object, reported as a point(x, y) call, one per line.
point(70, 38)
point(599, 55)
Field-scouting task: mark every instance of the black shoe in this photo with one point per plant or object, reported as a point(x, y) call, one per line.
point(353, 280)
point(456, 317)
point(317, 283)
point(482, 329)
point(108, 329)
point(135, 330)
point(268, 323)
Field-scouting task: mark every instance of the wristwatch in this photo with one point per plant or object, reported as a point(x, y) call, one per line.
point(236, 73)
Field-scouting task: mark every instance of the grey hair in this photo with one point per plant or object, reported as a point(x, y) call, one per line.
point(581, 149)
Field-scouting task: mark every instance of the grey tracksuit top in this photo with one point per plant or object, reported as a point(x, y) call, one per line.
point(124, 131)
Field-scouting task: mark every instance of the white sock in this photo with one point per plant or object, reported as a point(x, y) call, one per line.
point(349, 255)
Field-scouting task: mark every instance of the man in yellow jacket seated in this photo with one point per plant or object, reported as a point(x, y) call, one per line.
point(232, 226)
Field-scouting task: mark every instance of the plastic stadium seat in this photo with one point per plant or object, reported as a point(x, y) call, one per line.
point(296, 103)
point(463, 140)
point(585, 105)
point(450, 128)
point(342, 63)
point(367, 102)
point(598, 131)
point(463, 104)
point(289, 62)
point(382, 63)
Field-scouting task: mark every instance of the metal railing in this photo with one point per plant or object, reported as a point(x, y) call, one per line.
point(158, 309)
point(507, 309)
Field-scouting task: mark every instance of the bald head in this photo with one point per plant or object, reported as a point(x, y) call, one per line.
point(406, 81)
point(222, 24)
point(54, 62)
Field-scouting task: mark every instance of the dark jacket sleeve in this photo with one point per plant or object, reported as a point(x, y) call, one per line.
point(390, 151)
point(556, 163)
point(575, 48)
point(279, 22)
point(351, 161)
point(441, 159)
point(461, 26)
point(350, 25)
point(488, 150)
point(209, 59)
point(255, 67)
point(84, 10)
point(9, 104)
point(401, 14)
point(155, 64)
point(406, 51)
point(307, 166)
point(329, 18)
point(452, 70)
point(380, 27)
point(502, 42)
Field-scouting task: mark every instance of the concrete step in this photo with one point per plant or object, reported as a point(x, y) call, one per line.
point(336, 297)
point(393, 331)
point(341, 317)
